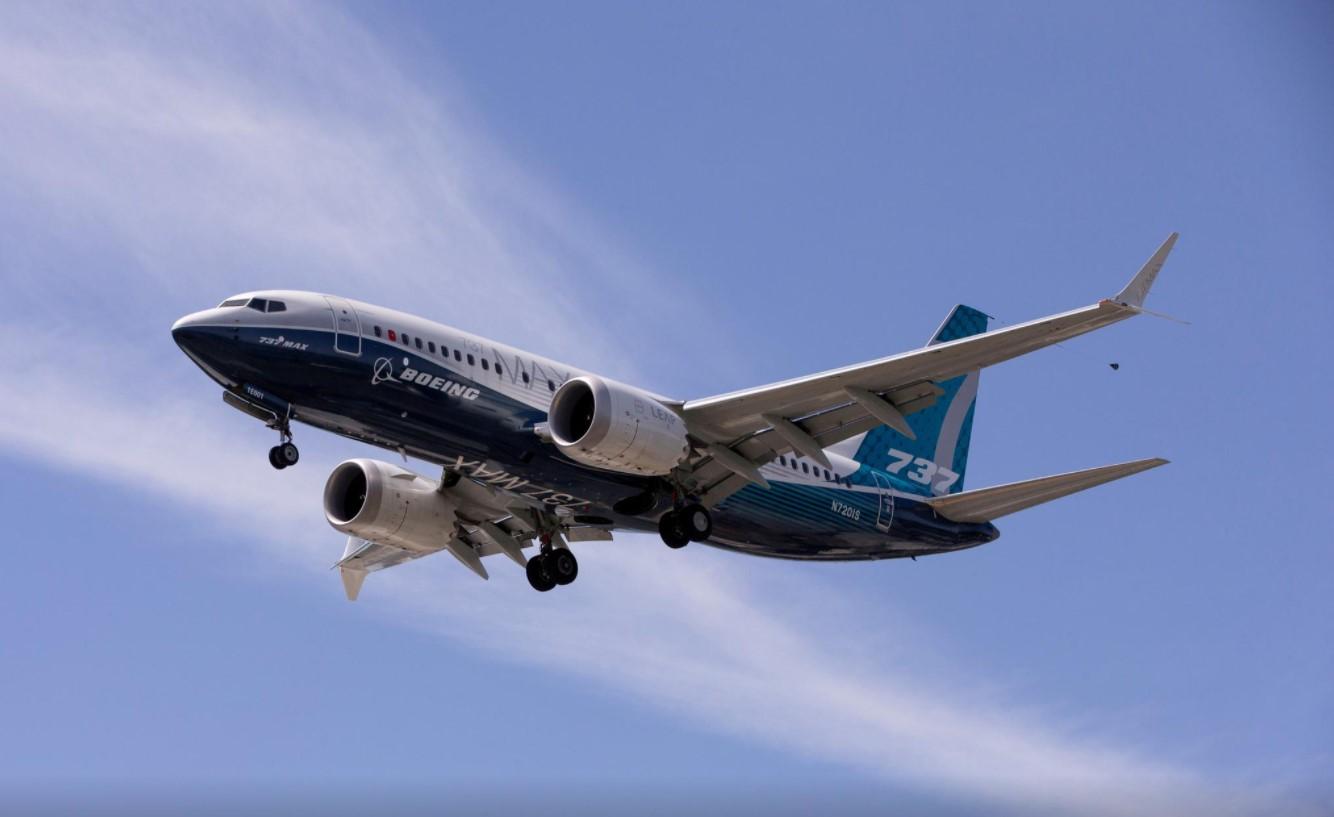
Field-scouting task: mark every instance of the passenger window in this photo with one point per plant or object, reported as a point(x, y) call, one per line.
point(526, 378)
point(486, 367)
point(419, 343)
point(498, 371)
point(804, 469)
point(430, 344)
point(377, 331)
point(782, 460)
point(457, 356)
point(391, 335)
point(258, 304)
point(551, 385)
point(406, 340)
point(471, 361)
point(277, 306)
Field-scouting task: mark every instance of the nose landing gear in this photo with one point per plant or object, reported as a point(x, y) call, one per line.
point(283, 454)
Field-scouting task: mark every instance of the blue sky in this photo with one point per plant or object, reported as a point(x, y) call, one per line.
point(694, 199)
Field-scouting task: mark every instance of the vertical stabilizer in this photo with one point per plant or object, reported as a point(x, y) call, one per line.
point(933, 461)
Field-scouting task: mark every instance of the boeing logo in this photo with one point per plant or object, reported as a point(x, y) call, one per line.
point(383, 371)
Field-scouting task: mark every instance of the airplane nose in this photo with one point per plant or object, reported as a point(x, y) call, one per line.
point(189, 328)
point(200, 336)
point(180, 330)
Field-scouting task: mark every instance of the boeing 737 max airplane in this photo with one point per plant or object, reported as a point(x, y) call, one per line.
point(862, 462)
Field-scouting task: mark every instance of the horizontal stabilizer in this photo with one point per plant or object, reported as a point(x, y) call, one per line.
point(986, 504)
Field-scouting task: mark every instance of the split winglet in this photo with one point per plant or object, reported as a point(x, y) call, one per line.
point(352, 580)
point(1138, 288)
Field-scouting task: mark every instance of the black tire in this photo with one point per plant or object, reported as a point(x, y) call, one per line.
point(562, 566)
point(672, 529)
point(275, 459)
point(288, 454)
point(697, 521)
point(538, 577)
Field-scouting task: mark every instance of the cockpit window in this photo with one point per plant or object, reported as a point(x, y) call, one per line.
point(258, 304)
point(277, 306)
point(233, 302)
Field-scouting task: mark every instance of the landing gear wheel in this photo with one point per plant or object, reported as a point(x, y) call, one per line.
point(537, 574)
point(697, 522)
point(288, 454)
point(275, 457)
point(672, 528)
point(561, 566)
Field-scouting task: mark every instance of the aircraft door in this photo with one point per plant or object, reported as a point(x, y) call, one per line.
point(347, 326)
point(885, 517)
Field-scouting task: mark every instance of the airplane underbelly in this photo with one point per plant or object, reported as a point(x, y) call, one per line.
point(812, 523)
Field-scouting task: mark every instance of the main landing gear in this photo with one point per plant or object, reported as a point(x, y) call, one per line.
point(551, 567)
point(690, 523)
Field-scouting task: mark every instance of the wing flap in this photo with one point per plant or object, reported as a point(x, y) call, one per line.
point(987, 504)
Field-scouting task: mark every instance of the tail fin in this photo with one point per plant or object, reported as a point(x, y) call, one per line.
point(943, 430)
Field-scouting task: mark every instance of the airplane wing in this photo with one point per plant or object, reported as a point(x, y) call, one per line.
point(739, 431)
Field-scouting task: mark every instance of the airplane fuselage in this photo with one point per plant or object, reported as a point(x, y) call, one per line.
point(477, 408)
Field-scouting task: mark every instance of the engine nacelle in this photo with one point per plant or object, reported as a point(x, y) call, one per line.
point(608, 425)
point(384, 503)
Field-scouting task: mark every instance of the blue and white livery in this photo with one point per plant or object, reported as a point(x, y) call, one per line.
point(862, 462)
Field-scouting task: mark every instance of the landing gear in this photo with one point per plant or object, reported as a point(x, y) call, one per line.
point(284, 454)
point(553, 566)
point(680, 527)
point(561, 566)
point(672, 529)
point(538, 576)
point(698, 522)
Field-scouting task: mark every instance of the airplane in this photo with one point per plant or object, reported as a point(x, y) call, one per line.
point(863, 462)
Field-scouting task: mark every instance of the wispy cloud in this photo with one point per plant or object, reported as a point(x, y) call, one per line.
point(233, 148)
point(266, 146)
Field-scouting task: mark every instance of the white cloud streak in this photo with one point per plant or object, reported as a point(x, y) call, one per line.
point(228, 150)
point(265, 147)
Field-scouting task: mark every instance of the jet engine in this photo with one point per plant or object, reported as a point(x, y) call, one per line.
point(608, 425)
point(381, 502)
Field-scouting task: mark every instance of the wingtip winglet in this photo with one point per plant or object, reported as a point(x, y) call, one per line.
point(1137, 290)
point(352, 580)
